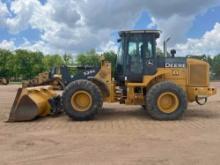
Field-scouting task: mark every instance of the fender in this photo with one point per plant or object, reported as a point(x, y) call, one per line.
point(102, 86)
point(149, 78)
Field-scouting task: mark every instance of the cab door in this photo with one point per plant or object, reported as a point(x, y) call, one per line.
point(134, 65)
point(149, 57)
point(141, 59)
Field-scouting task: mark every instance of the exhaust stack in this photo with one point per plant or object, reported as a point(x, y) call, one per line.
point(165, 46)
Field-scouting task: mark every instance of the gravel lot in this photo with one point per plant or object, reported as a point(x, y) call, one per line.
point(119, 135)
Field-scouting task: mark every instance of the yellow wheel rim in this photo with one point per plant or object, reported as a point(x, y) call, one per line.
point(168, 102)
point(81, 101)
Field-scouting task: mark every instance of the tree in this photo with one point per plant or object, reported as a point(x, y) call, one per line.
point(90, 58)
point(23, 65)
point(216, 67)
point(27, 64)
point(111, 57)
point(6, 58)
point(36, 61)
point(159, 52)
point(50, 61)
point(209, 60)
point(68, 59)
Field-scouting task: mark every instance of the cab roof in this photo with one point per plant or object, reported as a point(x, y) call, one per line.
point(156, 32)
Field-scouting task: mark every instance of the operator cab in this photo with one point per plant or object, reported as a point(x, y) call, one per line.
point(137, 55)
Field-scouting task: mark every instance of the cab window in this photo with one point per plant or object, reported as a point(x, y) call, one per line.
point(134, 56)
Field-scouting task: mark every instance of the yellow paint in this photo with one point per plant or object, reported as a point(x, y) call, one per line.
point(105, 76)
point(38, 97)
point(81, 101)
point(58, 76)
point(197, 73)
point(134, 98)
point(192, 92)
point(168, 102)
point(194, 80)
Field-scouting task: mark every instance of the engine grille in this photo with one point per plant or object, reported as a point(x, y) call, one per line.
point(198, 75)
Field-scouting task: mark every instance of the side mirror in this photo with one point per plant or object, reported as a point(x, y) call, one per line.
point(173, 52)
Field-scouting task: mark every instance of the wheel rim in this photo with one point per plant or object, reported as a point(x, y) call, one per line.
point(168, 102)
point(81, 101)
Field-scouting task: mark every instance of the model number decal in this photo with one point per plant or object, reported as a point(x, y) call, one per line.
point(173, 65)
point(86, 73)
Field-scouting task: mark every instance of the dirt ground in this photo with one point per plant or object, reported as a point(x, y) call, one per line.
point(119, 135)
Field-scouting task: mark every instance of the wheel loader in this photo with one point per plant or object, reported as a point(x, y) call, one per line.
point(163, 86)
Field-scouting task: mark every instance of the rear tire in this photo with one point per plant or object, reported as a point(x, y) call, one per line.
point(166, 101)
point(90, 104)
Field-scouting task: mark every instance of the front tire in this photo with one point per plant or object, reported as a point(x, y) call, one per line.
point(82, 100)
point(166, 101)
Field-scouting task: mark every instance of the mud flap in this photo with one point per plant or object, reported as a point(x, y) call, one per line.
point(31, 103)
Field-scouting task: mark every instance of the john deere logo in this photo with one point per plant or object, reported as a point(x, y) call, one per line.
point(174, 65)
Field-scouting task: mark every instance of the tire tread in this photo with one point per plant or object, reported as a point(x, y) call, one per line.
point(96, 97)
point(154, 93)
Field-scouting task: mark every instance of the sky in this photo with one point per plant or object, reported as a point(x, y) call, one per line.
point(75, 26)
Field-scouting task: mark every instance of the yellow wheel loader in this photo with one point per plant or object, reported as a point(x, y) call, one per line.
point(162, 85)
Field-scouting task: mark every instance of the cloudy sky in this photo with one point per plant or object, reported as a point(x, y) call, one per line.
point(55, 26)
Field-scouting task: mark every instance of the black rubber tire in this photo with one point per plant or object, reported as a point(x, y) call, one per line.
point(153, 94)
point(92, 89)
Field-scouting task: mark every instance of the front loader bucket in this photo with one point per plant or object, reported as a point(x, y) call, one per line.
point(31, 103)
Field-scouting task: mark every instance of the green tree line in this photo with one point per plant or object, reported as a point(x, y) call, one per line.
point(23, 64)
